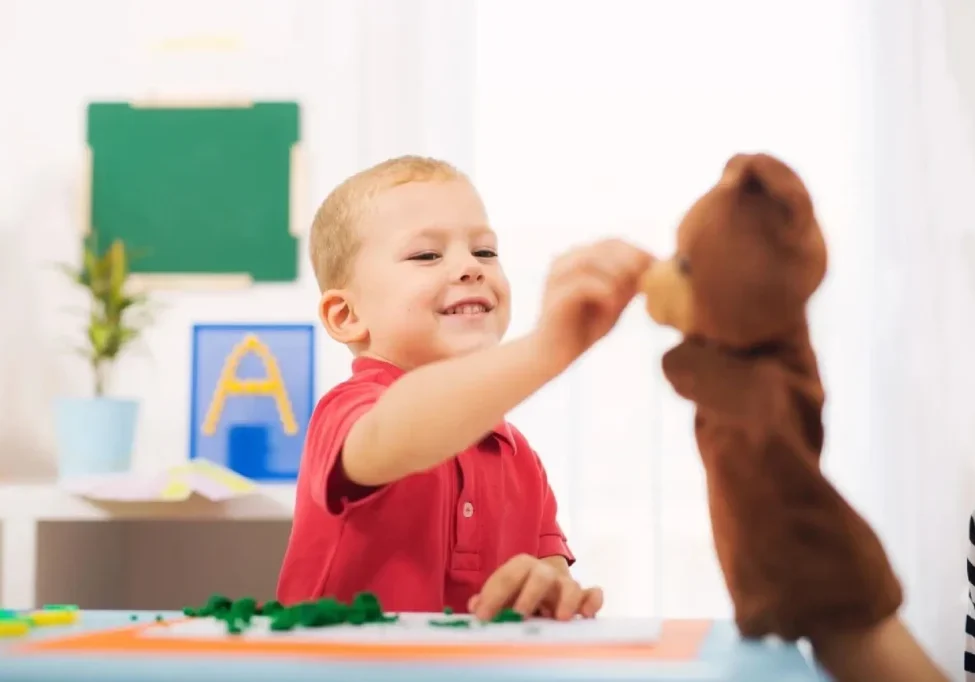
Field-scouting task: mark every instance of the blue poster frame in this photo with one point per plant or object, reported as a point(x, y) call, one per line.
point(199, 330)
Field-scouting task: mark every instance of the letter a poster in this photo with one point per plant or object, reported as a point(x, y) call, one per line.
point(252, 396)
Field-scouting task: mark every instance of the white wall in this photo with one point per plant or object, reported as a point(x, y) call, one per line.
point(578, 120)
point(342, 60)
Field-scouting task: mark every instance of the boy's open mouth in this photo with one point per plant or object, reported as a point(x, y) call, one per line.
point(469, 306)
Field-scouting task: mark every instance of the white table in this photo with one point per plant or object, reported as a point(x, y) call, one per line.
point(25, 505)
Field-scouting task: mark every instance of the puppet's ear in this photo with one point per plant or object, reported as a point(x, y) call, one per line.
point(767, 176)
point(777, 191)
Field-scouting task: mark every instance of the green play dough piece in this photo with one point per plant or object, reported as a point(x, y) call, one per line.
point(60, 607)
point(246, 606)
point(364, 609)
point(508, 616)
point(217, 604)
point(455, 623)
point(503, 616)
point(270, 608)
point(285, 619)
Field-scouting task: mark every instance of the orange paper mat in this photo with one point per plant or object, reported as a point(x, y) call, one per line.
point(679, 641)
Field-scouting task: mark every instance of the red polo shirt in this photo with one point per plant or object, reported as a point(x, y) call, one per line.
point(422, 543)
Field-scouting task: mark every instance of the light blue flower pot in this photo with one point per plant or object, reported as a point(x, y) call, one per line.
point(94, 435)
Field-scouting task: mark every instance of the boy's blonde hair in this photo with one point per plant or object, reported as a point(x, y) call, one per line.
point(334, 242)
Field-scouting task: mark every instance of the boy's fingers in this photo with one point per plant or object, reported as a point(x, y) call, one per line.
point(592, 601)
point(492, 600)
point(570, 599)
point(593, 289)
point(537, 586)
point(545, 611)
point(625, 257)
point(502, 587)
point(622, 264)
point(641, 261)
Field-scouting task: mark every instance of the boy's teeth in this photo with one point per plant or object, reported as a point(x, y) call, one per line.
point(468, 309)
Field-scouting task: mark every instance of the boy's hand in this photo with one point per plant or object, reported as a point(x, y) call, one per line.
point(533, 586)
point(586, 292)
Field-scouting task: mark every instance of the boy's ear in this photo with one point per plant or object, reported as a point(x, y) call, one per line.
point(339, 317)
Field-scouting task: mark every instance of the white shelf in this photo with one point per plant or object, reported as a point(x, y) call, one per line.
point(24, 506)
point(47, 502)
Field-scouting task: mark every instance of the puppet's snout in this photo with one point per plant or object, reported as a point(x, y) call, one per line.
point(668, 294)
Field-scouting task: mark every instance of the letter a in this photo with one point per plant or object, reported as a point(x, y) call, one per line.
point(229, 384)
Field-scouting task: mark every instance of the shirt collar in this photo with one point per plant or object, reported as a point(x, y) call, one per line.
point(386, 373)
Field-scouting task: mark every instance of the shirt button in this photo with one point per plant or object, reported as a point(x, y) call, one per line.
point(468, 510)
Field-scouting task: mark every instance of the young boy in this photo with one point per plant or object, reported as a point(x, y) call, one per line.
point(412, 485)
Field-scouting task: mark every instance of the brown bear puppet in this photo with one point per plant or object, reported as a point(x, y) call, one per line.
point(797, 559)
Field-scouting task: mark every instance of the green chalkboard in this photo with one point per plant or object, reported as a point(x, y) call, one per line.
point(196, 191)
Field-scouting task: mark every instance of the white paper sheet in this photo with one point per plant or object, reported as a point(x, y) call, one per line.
point(415, 628)
point(176, 484)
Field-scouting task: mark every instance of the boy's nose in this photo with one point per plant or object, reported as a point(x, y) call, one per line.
point(472, 272)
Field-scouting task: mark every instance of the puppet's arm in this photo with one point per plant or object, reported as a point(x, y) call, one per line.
point(749, 391)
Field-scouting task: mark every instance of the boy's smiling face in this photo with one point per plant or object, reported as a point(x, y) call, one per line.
point(427, 283)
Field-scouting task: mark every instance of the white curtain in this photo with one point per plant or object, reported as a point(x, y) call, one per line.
point(607, 119)
point(416, 84)
point(922, 417)
point(600, 119)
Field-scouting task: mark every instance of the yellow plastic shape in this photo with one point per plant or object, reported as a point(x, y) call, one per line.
point(42, 618)
point(176, 490)
point(229, 479)
point(14, 627)
point(230, 385)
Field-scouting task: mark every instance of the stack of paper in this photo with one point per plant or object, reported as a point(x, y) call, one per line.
point(200, 477)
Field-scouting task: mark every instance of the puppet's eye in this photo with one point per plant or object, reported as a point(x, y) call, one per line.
point(683, 265)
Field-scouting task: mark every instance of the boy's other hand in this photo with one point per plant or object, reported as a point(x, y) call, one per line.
point(586, 292)
point(533, 586)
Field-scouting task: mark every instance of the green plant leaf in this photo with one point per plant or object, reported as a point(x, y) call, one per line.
point(126, 302)
point(117, 267)
point(100, 335)
point(116, 317)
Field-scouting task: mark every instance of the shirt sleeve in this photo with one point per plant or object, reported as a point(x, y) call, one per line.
point(331, 489)
point(551, 539)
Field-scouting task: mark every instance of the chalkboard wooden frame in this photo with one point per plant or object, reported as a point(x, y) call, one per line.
point(208, 193)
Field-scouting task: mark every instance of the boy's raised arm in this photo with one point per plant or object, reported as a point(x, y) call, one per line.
point(438, 410)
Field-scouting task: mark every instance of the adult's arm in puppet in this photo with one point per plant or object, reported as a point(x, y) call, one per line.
point(887, 651)
point(798, 560)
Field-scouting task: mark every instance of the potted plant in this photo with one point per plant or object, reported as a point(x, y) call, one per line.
point(95, 434)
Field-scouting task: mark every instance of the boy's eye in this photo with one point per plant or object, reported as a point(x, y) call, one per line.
point(486, 253)
point(429, 255)
point(683, 265)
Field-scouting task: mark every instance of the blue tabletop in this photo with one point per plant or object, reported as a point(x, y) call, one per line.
point(721, 657)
